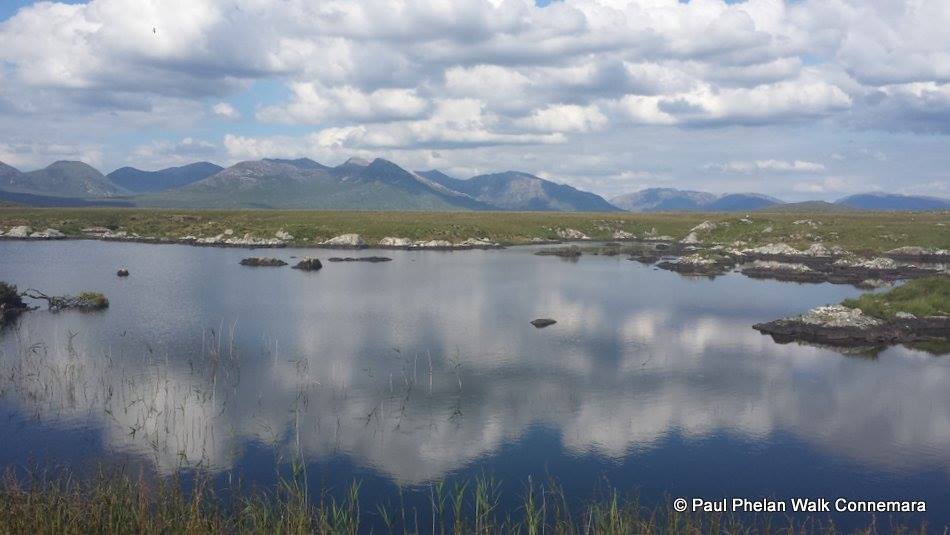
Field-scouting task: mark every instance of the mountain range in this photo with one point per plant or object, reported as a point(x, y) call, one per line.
point(375, 185)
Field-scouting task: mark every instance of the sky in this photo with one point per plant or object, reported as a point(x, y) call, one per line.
point(797, 99)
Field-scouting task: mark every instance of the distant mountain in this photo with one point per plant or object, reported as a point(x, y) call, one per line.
point(513, 190)
point(61, 179)
point(886, 202)
point(306, 184)
point(674, 200)
point(138, 181)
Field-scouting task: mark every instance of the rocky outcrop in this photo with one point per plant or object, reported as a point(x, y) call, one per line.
point(390, 242)
point(783, 271)
point(919, 254)
point(370, 259)
point(571, 234)
point(697, 264)
point(840, 325)
point(20, 232)
point(477, 243)
point(345, 241)
point(283, 235)
point(436, 245)
point(623, 235)
point(309, 264)
point(227, 239)
point(48, 234)
point(263, 261)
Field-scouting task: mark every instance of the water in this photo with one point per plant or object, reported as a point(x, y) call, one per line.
point(426, 367)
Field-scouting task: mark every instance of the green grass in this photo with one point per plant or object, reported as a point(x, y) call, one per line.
point(858, 232)
point(119, 503)
point(921, 297)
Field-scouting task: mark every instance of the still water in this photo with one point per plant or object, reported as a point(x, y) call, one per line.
point(426, 368)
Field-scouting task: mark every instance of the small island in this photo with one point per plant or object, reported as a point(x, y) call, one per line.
point(917, 311)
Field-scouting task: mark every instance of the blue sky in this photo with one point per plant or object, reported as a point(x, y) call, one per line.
point(798, 100)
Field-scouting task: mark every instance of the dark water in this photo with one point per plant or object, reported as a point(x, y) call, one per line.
point(426, 368)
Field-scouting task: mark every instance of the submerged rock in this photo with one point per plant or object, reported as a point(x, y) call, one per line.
point(345, 241)
point(541, 323)
point(122, 272)
point(371, 259)
point(309, 264)
point(263, 261)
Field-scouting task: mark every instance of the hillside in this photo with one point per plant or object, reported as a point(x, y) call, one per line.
point(513, 190)
point(893, 202)
point(138, 181)
point(674, 200)
point(60, 179)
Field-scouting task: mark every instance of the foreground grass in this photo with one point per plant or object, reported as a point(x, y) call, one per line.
point(858, 231)
point(119, 503)
point(920, 297)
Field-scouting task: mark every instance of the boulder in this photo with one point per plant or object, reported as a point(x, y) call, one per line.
point(20, 232)
point(477, 243)
point(541, 323)
point(623, 235)
point(571, 234)
point(309, 264)
point(283, 235)
point(122, 272)
point(48, 234)
point(345, 241)
point(394, 243)
point(263, 261)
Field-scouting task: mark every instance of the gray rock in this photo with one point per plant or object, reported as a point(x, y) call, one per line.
point(541, 323)
point(309, 264)
point(263, 261)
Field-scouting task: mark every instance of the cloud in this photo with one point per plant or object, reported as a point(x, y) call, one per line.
point(166, 153)
point(775, 166)
point(225, 111)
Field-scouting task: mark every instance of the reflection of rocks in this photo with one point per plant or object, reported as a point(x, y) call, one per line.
point(263, 261)
point(840, 325)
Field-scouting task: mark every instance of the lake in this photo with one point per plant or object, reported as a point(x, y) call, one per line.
point(427, 368)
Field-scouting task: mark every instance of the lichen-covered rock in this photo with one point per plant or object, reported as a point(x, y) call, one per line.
point(20, 232)
point(394, 243)
point(263, 261)
point(623, 235)
point(345, 241)
point(309, 264)
point(432, 244)
point(477, 243)
point(697, 264)
point(283, 235)
point(571, 234)
point(772, 249)
point(879, 263)
point(48, 234)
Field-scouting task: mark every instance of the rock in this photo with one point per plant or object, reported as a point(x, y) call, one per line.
point(623, 235)
point(541, 323)
point(48, 234)
point(122, 272)
point(283, 235)
point(371, 259)
point(433, 244)
point(477, 243)
point(879, 263)
point(345, 241)
point(919, 254)
point(691, 238)
point(571, 234)
point(263, 261)
point(871, 284)
point(20, 232)
point(843, 326)
point(696, 264)
point(394, 243)
point(767, 230)
point(228, 232)
point(905, 316)
point(772, 249)
point(309, 264)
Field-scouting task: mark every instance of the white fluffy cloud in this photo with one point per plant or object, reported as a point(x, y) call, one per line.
point(451, 76)
point(778, 166)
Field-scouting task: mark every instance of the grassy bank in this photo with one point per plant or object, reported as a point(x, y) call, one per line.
point(119, 503)
point(859, 231)
point(920, 297)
